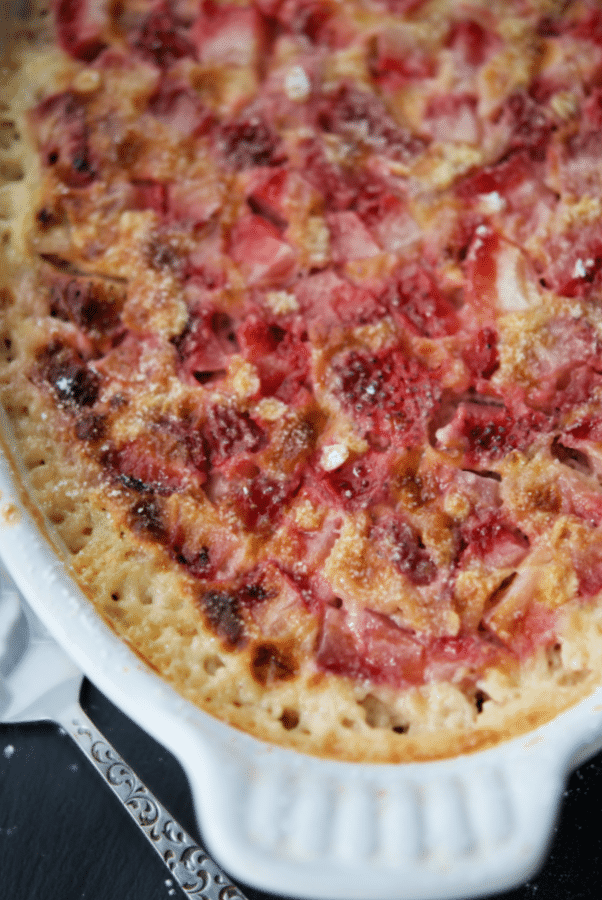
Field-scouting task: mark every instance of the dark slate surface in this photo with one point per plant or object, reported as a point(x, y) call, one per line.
point(63, 835)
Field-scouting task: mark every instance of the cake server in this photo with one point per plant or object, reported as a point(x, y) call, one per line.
point(26, 650)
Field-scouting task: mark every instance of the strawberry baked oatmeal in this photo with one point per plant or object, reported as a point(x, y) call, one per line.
point(301, 345)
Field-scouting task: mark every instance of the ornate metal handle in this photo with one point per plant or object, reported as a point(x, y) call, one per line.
point(190, 867)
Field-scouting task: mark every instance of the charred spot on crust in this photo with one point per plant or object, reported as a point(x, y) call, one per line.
point(64, 117)
point(66, 371)
point(147, 520)
point(91, 427)
point(271, 663)
point(222, 612)
point(87, 304)
point(47, 218)
point(253, 592)
point(480, 698)
point(134, 484)
point(58, 262)
point(290, 719)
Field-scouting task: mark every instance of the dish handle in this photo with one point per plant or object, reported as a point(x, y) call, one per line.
point(458, 828)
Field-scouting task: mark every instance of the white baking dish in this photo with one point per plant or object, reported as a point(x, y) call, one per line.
point(293, 824)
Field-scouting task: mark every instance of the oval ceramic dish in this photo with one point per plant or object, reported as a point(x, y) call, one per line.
point(294, 824)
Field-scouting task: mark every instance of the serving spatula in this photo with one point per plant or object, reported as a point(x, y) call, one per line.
point(38, 682)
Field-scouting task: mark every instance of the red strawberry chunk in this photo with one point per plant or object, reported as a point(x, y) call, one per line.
point(535, 628)
point(248, 142)
point(149, 194)
point(258, 336)
point(588, 429)
point(452, 117)
point(354, 304)
point(80, 26)
point(589, 28)
point(374, 198)
point(464, 655)
point(578, 161)
point(180, 107)
point(205, 346)
point(160, 38)
point(482, 357)
point(573, 388)
point(372, 646)
point(269, 193)
point(361, 117)
point(396, 62)
point(368, 645)
point(142, 469)
point(471, 41)
point(357, 484)
point(588, 568)
point(580, 496)
point(390, 395)
point(402, 6)
point(171, 456)
point(228, 35)
point(261, 501)
point(192, 203)
point(502, 177)
point(386, 215)
point(353, 113)
point(326, 299)
point(483, 491)
point(488, 432)
point(349, 237)
point(481, 269)
point(229, 433)
point(490, 538)
point(574, 267)
point(404, 548)
point(330, 180)
point(592, 108)
point(414, 297)
point(280, 356)
point(527, 123)
point(206, 266)
point(259, 251)
point(313, 590)
point(316, 547)
point(306, 17)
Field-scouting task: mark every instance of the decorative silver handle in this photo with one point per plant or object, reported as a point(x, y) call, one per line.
point(190, 867)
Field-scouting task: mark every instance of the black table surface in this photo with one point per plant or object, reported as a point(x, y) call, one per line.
point(64, 836)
